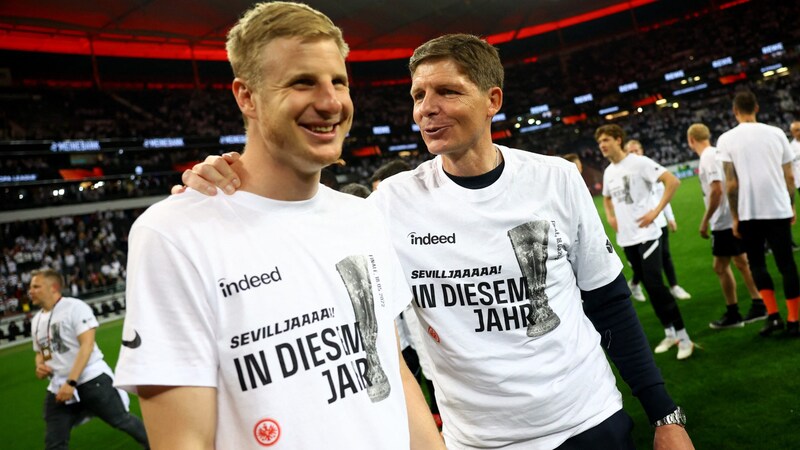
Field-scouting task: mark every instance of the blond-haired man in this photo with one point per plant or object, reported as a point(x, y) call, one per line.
point(67, 355)
point(267, 319)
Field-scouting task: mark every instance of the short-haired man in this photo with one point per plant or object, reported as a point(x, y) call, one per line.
point(724, 245)
point(757, 160)
point(503, 280)
point(631, 210)
point(268, 316)
point(81, 383)
point(388, 169)
point(666, 221)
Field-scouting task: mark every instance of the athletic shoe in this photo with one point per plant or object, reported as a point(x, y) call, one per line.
point(757, 312)
point(774, 323)
point(793, 329)
point(679, 293)
point(727, 320)
point(636, 291)
point(665, 344)
point(685, 349)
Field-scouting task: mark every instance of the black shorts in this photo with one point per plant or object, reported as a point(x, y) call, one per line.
point(724, 243)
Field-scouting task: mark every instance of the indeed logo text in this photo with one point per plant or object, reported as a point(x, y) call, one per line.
point(431, 239)
point(248, 282)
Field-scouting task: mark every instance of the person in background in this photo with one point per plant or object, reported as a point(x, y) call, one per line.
point(575, 159)
point(666, 221)
point(631, 210)
point(66, 354)
point(757, 161)
point(724, 245)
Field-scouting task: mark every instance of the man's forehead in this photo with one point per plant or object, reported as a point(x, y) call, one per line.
point(438, 65)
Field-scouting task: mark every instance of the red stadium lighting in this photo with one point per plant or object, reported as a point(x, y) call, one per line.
point(500, 134)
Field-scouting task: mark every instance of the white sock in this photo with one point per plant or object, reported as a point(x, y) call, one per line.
point(683, 335)
point(669, 332)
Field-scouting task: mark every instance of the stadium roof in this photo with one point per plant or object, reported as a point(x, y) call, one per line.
point(195, 29)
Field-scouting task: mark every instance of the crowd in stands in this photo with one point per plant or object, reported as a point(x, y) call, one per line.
point(89, 250)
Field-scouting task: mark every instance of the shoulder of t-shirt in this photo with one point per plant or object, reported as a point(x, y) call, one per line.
point(404, 180)
point(75, 304)
point(173, 209)
point(523, 160)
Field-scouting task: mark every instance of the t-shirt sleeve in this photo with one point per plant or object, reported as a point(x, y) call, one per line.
point(713, 168)
point(650, 169)
point(592, 256)
point(82, 318)
point(788, 154)
point(723, 155)
point(169, 331)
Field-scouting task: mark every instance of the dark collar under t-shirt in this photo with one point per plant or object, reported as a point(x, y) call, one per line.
point(479, 181)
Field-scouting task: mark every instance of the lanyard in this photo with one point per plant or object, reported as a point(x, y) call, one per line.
point(49, 318)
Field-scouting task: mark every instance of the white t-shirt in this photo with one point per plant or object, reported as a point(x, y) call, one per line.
point(59, 329)
point(665, 214)
point(710, 170)
point(758, 152)
point(630, 183)
point(286, 308)
point(796, 162)
point(500, 381)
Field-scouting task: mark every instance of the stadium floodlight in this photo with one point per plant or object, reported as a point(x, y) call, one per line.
point(609, 110)
point(499, 117)
point(415, 128)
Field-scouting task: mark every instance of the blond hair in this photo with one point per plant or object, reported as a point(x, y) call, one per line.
point(49, 274)
point(270, 20)
point(698, 132)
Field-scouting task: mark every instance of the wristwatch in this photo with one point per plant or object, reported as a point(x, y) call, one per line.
point(676, 417)
point(74, 383)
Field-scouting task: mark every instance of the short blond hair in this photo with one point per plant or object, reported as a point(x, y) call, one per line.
point(632, 142)
point(53, 276)
point(698, 132)
point(270, 20)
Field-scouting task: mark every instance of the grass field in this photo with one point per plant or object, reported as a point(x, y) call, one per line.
point(740, 391)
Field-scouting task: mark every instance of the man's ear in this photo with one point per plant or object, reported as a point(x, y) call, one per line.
point(495, 100)
point(245, 98)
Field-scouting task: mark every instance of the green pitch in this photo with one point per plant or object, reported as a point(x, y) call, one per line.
point(740, 391)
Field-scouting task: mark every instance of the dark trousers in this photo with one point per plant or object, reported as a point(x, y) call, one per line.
point(98, 398)
point(778, 233)
point(412, 361)
point(613, 433)
point(666, 261)
point(647, 259)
